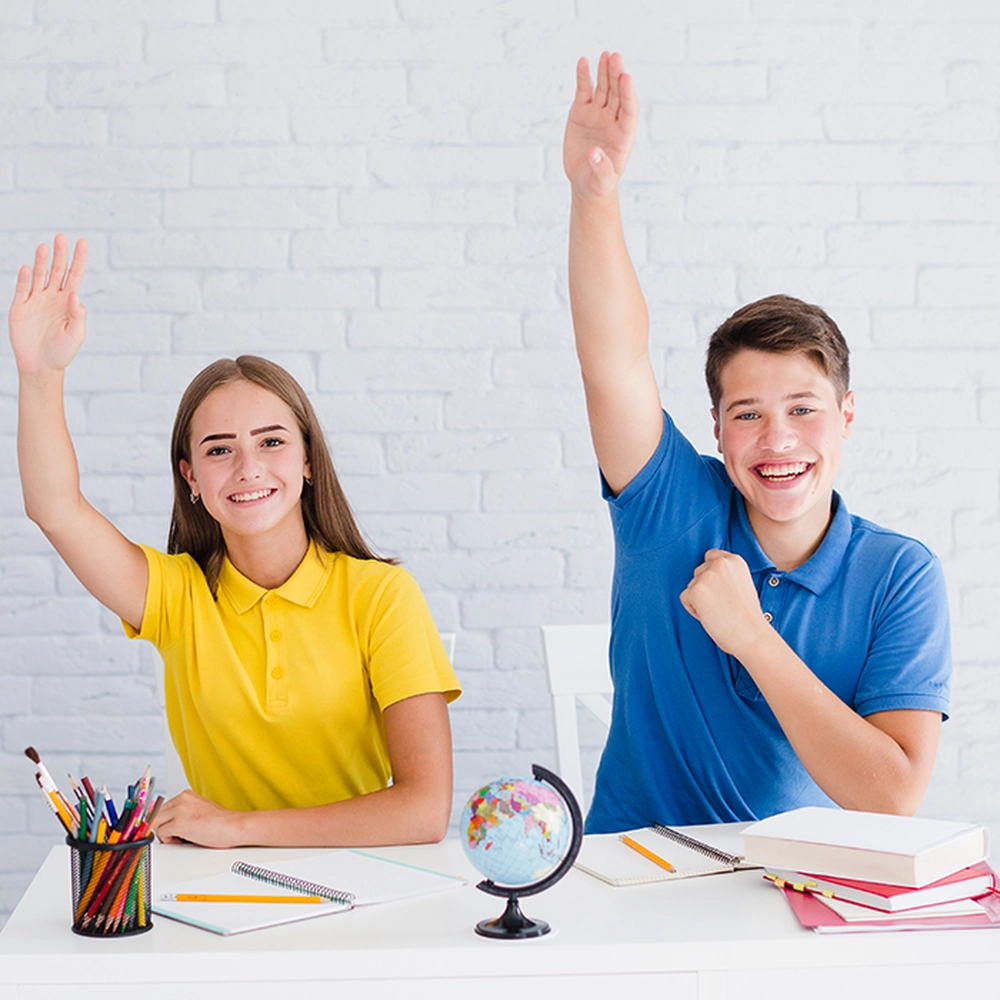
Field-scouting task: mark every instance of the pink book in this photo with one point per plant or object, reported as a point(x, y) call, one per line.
point(965, 884)
point(813, 914)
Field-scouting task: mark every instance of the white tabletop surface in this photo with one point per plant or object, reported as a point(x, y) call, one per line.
point(714, 937)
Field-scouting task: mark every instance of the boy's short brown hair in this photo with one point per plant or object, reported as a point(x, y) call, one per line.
point(779, 324)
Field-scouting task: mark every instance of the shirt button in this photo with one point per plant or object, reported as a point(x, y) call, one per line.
point(767, 616)
point(275, 636)
point(277, 673)
point(774, 581)
point(271, 600)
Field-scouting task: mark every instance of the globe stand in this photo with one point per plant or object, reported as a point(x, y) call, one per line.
point(513, 925)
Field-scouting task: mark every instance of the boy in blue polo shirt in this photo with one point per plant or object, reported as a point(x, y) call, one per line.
point(769, 650)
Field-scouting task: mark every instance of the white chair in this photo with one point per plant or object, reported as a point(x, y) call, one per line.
point(577, 660)
point(173, 780)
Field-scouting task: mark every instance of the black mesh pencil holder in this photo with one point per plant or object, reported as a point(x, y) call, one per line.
point(112, 887)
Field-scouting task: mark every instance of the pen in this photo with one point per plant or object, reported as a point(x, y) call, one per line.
point(646, 853)
point(222, 897)
point(105, 797)
point(143, 787)
point(109, 805)
point(147, 823)
point(804, 886)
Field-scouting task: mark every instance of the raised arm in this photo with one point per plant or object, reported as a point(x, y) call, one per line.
point(47, 326)
point(609, 312)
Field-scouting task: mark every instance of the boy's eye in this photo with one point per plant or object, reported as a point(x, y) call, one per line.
point(746, 416)
point(800, 410)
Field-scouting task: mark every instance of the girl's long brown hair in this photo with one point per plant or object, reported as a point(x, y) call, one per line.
point(325, 510)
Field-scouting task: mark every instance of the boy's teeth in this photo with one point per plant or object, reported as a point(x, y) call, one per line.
point(783, 471)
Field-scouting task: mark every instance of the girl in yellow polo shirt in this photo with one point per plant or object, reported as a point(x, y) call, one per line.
point(302, 672)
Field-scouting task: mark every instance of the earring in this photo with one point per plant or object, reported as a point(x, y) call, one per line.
point(309, 482)
point(194, 497)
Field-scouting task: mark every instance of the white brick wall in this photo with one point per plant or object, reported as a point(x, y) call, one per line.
point(372, 195)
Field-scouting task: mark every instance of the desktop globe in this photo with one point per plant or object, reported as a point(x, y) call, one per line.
point(523, 834)
point(516, 830)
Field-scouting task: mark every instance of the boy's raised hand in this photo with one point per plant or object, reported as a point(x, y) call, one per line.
point(601, 127)
point(47, 320)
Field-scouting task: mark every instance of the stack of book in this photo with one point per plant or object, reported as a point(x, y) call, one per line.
point(844, 871)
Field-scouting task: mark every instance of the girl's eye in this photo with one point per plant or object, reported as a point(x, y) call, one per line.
point(217, 450)
point(272, 442)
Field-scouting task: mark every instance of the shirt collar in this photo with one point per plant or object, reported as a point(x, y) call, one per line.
point(303, 587)
point(819, 571)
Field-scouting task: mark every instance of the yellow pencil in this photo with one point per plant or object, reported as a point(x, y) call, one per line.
point(59, 808)
point(646, 852)
point(213, 897)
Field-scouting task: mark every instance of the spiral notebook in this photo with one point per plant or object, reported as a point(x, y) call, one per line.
point(345, 878)
point(609, 857)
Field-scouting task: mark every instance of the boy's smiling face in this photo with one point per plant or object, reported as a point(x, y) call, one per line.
point(779, 427)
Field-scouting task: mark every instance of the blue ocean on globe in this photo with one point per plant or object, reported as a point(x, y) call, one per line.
point(515, 830)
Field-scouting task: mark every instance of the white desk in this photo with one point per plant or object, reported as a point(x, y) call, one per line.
point(726, 936)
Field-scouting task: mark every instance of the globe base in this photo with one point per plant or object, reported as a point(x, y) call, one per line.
point(513, 925)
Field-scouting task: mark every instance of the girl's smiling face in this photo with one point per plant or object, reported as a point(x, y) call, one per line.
point(248, 462)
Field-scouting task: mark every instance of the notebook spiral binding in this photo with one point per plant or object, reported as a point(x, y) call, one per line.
point(696, 845)
point(295, 884)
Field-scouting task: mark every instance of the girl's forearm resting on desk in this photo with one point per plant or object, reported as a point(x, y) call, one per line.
point(414, 809)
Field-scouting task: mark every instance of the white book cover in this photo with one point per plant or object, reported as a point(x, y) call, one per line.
point(902, 850)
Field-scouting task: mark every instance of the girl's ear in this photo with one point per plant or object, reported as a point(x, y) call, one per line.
point(188, 473)
point(307, 469)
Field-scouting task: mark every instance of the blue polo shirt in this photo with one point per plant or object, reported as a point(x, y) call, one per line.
point(692, 740)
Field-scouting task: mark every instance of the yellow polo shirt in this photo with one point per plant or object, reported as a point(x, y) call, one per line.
point(275, 697)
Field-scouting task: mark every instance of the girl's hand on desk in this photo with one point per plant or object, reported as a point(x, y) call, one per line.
point(191, 818)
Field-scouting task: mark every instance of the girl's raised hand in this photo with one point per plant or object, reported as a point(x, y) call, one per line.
point(601, 127)
point(47, 320)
